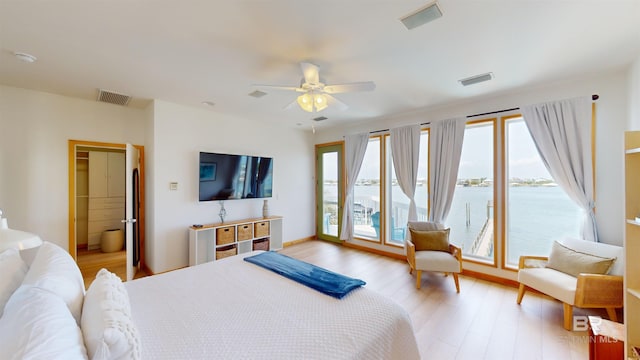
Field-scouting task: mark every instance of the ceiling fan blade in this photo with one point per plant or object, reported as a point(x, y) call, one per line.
point(291, 105)
point(350, 87)
point(310, 72)
point(332, 101)
point(279, 87)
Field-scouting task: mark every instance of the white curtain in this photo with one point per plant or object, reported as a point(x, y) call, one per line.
point(405, 151)
point(445, 139)
point(355, 147)
point(561, 131)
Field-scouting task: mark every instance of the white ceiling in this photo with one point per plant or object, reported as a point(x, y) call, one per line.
point(190, 51)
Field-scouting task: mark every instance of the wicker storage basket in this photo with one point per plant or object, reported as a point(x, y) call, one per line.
point(226, 251)
point(225, 235)
point(261, 229)
point(262, 244)
point(245, 232)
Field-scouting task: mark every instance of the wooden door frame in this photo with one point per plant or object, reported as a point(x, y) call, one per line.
point(73, 144)
point(341, 188)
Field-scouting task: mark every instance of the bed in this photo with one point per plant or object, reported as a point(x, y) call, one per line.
point(228, 309)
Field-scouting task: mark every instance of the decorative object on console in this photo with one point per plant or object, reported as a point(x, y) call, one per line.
point(223, 212)
point(265, 209)
point(10, 238)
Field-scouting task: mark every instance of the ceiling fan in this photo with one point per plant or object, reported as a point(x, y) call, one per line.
point(316, 96)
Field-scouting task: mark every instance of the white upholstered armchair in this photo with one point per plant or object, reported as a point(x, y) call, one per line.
point(578, 273)
point(428, 249)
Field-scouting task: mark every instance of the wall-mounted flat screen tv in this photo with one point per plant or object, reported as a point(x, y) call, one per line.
point(228, 176)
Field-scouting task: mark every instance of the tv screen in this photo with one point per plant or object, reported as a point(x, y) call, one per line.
point(227, 176)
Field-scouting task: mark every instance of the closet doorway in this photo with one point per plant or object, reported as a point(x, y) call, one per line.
point(98, 195)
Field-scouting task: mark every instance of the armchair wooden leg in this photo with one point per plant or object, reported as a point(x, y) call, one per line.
point(568, 316)
point(612, 314)
point(521, 291)
point(418, 273)
point(455, 279)
point(410, 270)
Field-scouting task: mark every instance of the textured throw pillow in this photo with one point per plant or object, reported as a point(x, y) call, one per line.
point(574, 262)
point(12, 272)
point(38, 325)
point(107, 326)
point(55, 270)
point(437, 240)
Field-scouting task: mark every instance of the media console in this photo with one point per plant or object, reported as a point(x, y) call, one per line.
point(216, 241)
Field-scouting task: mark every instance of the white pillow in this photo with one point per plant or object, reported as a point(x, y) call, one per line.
point(107, 326)
point(38, 325)
point(55, 270)
point(12, 272)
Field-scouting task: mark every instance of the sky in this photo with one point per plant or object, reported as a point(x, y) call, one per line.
point(477, 155)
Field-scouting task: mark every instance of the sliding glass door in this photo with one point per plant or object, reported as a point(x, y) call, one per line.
point(329, 191)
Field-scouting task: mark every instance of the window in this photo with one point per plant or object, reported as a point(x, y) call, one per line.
point(537, 210)
point(471, 216)
point(366, 194)
point(398, 207)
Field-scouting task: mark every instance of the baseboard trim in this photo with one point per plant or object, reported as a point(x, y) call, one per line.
point(146, 270)
point(375, 251)
point(298, 241)
point(492, 278)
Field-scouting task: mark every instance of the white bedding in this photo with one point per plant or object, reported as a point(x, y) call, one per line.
point(231, 309)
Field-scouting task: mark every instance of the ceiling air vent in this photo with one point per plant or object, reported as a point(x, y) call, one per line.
point(320, 118)
point(257, 94)
point(422, 16)
point(113, 97)
point(476, 79)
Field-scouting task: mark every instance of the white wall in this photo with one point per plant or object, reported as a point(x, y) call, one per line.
point(35, 128)
point(634, 96)
point(179, 133)
point(611, 117)
point(34, 131)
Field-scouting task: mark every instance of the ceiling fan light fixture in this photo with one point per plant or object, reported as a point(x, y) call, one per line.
point(306, 102)
point(320, 102)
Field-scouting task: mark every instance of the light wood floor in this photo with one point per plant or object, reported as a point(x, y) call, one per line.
point(482, 322)
point(91, 261)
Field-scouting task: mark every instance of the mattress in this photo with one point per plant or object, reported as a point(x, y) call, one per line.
point(232, 309)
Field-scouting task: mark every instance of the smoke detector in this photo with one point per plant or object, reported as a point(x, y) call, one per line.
point(24, 57)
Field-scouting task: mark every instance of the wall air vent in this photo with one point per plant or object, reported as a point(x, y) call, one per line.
point(113, 97)
point(422, 16)
point(476, 79)
point(257, 94)
point(320, 118)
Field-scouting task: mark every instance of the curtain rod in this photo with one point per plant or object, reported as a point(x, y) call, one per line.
point(594, 97)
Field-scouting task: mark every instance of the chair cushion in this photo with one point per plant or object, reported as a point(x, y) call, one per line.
point(435, 240)
point(424, 225)
point(599, 249)
point(574, 262)
point(436, 261)
point(551, 282)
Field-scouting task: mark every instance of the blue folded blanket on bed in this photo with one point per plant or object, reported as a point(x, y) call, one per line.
point(323, 280)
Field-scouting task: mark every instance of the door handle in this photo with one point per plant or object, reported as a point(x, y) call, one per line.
point(128, 221)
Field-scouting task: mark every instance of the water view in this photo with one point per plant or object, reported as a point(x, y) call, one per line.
point(538, 213)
